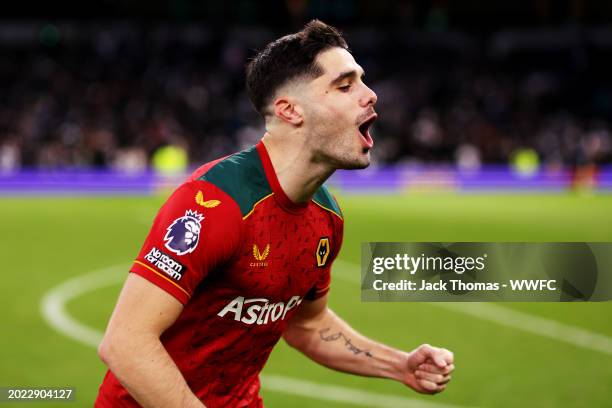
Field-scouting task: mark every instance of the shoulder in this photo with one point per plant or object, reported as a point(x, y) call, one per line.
point(200, 200)
point(240, 176)
point(324, 199)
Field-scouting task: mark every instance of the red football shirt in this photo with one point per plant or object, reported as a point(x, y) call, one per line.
point(240, 256)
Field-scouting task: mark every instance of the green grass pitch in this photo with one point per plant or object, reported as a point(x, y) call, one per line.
point(46, 241)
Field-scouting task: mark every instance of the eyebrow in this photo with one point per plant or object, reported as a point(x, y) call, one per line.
point(342, 76)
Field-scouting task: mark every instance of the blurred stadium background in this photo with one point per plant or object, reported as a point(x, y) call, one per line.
point(495, 125)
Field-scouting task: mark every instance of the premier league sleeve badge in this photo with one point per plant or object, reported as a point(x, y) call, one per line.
point(183, 234)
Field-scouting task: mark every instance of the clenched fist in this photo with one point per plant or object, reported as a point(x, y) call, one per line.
point(428, 369)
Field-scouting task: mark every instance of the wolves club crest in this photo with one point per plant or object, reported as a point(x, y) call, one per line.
point(322, 251)
point(183, 234)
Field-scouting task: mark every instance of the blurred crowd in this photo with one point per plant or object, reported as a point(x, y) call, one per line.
point(110, 95)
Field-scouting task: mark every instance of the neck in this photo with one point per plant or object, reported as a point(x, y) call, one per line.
point(299, 175)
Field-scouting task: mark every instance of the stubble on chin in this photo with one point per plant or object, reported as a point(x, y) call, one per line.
point(357, 164)
point(334, 147)
point(344, 160)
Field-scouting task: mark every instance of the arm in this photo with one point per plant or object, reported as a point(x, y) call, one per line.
point(131, 347)
point(321, 335)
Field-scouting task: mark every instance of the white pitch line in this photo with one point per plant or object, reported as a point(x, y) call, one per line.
point(336, 393)
point(534, 324)
point(53, 309)
point(504, 316)
point(53, 304)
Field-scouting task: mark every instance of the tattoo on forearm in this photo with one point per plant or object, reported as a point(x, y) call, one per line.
point(340, 336)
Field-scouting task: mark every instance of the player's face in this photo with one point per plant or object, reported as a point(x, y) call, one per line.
point(338, 112)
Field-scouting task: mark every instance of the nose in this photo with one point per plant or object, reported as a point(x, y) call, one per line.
point(369, 97)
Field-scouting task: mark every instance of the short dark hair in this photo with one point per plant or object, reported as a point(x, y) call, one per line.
point(287, 58)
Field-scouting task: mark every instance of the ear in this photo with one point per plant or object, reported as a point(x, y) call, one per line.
point(286, 110)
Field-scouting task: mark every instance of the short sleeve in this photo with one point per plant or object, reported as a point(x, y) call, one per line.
point(196, 230)
point(322, 284)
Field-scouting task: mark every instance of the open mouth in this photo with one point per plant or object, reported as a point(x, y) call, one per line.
point(364, 130)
